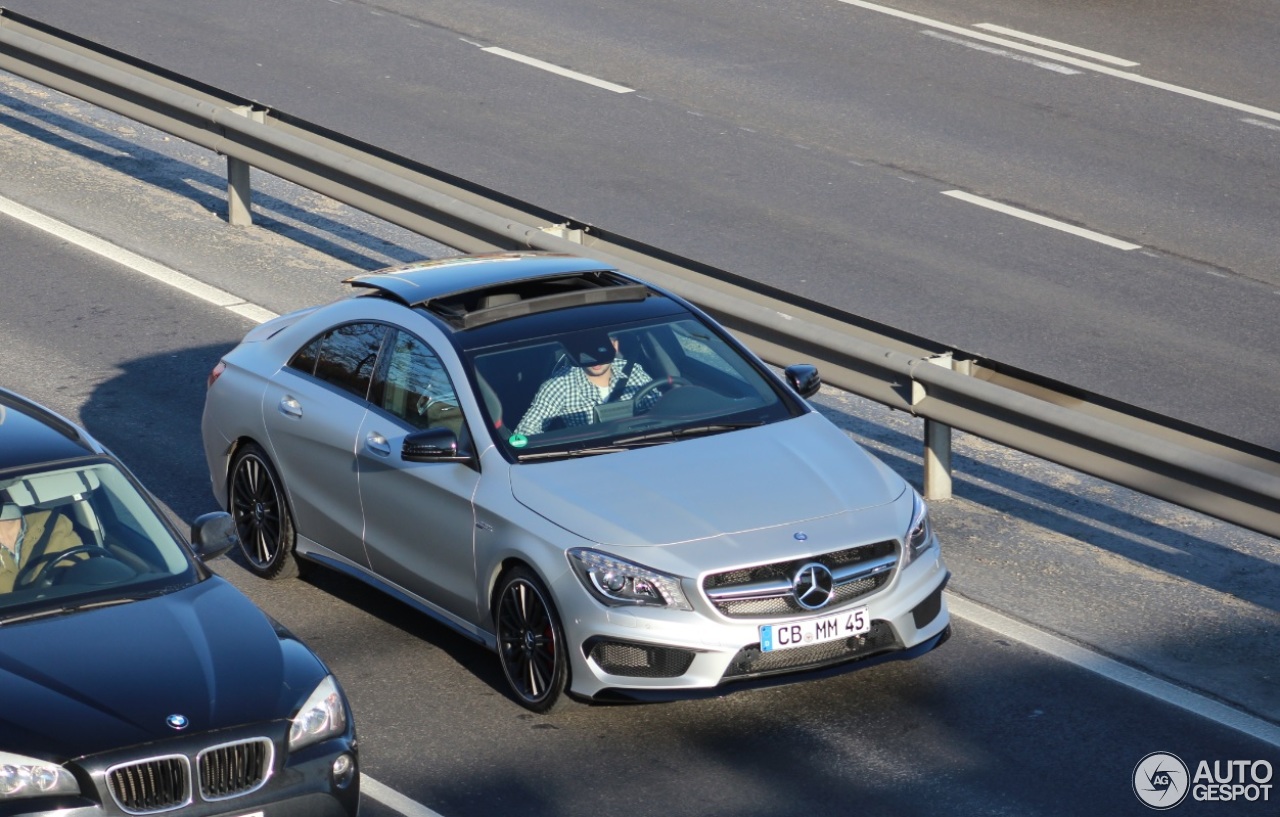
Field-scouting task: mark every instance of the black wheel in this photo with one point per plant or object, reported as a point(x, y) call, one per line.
point(263, 522)
point(530, 641)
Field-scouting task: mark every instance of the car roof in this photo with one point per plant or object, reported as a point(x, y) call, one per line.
point(31, 434)
point(474, 290)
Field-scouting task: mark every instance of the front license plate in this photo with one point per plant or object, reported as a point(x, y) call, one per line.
point(814, 630)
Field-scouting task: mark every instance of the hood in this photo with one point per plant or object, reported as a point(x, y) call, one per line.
point(779, 474)
point(87, 682)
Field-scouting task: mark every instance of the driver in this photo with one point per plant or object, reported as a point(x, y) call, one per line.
point(597, 374)
point(27, 536)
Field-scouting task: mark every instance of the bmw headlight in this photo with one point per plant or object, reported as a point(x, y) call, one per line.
point(27, 777)
point(919, 534)
point(323, 716)
point(617, 582)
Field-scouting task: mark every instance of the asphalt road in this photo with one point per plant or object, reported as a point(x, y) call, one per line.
point(809, 145)
point(986, 725)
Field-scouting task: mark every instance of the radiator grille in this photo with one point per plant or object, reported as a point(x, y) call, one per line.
point(777, 575)
point(234, 769)
point(148, 786)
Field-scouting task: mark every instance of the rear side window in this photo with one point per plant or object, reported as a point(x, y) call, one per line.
point(345, 356)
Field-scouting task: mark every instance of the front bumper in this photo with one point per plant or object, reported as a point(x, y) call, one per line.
point(644, 654)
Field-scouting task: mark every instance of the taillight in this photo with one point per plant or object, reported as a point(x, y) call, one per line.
point(216, 373)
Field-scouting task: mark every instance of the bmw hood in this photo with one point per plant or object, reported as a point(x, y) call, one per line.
point(784, 473)
point(107, 678)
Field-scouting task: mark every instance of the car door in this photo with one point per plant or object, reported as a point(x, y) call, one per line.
point(313, 408)
point(419, 520)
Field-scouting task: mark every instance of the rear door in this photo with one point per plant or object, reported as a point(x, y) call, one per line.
point(313, 409)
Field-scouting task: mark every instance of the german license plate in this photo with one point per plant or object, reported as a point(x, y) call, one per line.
point(818, 630)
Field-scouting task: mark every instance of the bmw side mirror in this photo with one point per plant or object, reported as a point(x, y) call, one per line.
point(213, 534)
point(433, 445)
point(804, 378)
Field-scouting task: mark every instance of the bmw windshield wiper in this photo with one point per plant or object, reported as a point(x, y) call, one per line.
point(689, 431)
point(59, 611)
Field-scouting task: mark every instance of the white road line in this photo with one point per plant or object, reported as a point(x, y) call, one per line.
point(1268, 125)
point(556, 69)
point(1001, 52)
point(1057, 46)
point(393, 799)
point(132, 260)
point(1089, 66)
point(1026, 215)
point(1114, 670)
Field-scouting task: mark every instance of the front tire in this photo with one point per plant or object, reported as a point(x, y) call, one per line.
point(531, 645)
point(256, 499)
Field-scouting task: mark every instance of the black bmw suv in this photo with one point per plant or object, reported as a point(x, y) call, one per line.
point(133, 680)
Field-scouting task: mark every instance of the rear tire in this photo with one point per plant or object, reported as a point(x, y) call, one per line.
point(531, 644)
point(256, 499)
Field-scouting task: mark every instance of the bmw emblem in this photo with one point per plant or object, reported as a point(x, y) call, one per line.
point(178, 722)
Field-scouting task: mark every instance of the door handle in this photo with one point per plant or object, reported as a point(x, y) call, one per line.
point(377, 444)
point(290, 407)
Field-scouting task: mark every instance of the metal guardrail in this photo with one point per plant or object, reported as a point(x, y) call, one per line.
point(1186, 465)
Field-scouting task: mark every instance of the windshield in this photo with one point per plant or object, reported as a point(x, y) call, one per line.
point(609, 388)
point(81, 536)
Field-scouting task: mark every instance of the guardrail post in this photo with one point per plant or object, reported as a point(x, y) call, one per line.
point(239, 191)
point(937, 441)
point(565, 231)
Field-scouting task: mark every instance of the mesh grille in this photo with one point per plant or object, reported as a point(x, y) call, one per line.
point(640, 661)
point(784, 604)
point(234, 769)
point(751, 661)
point(151, 785)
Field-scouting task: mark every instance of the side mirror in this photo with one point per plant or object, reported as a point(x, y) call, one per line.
point(213, 534)
point(433, 445)
point(804, 378)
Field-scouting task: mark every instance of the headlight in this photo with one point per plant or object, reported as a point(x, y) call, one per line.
point(919, 534)
point(27, 777)
point(323, 716)
point(620, 583)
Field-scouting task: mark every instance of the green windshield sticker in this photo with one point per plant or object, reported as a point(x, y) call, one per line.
point(518, 441)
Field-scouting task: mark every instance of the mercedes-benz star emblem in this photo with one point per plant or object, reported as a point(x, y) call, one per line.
point(178, 722)
point(813, 586)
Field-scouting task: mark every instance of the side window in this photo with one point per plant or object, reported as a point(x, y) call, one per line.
point(416, 387)
point(304, 360)
point(347, 356)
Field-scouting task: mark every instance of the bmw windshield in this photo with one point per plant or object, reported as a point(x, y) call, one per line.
point(602, 389)
point(81, 536)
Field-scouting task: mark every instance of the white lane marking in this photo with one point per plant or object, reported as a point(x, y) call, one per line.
point(1027, 215)
point(132, 260)
point(1268, 125)
point(1116, 671)
point(556, 69)
point(1057, 46)
point(1088, 66)
point(1001, 52)
point(393, 799)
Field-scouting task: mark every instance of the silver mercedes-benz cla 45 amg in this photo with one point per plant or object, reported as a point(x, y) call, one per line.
point(578, 470)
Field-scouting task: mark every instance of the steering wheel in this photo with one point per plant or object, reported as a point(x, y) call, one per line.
point(39, 568)
point(652, 386)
